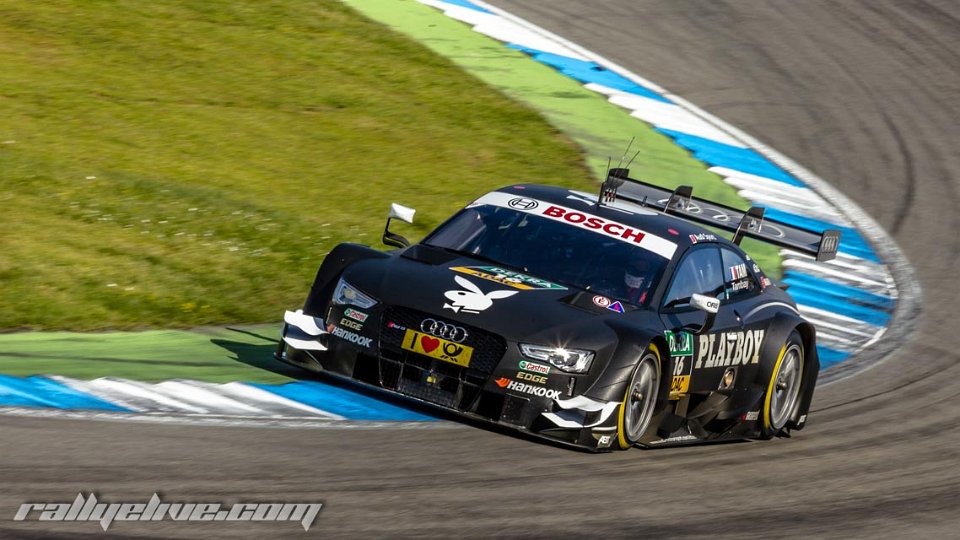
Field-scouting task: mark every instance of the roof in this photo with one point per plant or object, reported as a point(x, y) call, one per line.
point(678, 231)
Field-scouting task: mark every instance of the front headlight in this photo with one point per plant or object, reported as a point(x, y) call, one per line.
point(346, 293)
point(570, 360)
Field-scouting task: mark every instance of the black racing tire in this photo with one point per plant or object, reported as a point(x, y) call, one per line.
point(640, 399)
point(784, 389)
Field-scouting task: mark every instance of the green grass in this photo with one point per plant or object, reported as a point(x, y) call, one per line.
point(190, 163)
point(206, 354)
point(174, 164)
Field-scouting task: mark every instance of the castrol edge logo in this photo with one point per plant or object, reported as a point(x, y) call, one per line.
point(584, 220)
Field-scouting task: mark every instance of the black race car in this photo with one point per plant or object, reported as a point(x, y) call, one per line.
point(602, 321)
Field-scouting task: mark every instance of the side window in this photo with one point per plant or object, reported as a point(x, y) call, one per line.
point(738, 282)
point(698, 273)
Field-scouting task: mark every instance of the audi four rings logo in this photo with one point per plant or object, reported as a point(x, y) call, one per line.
point(443, 330)
point(522, 203)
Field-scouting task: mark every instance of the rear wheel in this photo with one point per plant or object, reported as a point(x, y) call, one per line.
point(783, 390)
point(640, 400)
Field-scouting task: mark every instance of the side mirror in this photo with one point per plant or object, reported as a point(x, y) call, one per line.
point(708, 305)
point(705, 303)
point(397, 211)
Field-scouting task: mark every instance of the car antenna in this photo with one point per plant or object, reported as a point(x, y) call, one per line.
point(627, 166)
point(625, 152)
point(608, 189)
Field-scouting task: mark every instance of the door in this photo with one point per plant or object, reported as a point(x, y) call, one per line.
point(700, 360)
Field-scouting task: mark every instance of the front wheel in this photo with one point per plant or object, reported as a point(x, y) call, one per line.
point(783, 390)
point(640, 400)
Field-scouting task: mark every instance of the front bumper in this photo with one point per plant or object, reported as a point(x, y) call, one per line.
point(371, 353)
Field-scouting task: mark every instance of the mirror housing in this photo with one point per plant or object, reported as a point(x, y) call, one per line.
point(403, 213)
point(708, 305)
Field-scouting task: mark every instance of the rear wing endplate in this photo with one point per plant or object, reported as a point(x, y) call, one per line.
point(681, 203)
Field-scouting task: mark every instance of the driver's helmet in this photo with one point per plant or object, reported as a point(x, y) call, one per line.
point(637, 274)
point(637, 271)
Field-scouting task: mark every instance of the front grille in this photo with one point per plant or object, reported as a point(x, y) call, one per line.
point(430, 379)
point(488, 348)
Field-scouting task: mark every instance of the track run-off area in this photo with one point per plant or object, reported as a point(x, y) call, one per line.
point(851, 299)
point(863, 95)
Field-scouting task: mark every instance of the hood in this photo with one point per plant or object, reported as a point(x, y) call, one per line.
point(514, 304)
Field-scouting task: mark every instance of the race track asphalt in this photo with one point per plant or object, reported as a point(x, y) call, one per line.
point(864, 93)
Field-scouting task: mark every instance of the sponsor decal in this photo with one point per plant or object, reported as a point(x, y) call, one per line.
point(347, 335)
point(587, 221)
point(454, 333)
point(534, 367)
point(523, 203)
point(830, 241)
point(524, 376)
point(738, 271)
point(702, 237)
point(766, 282)
point(601, 301)
point(356, 315)
point(756, 269)
point(678, 438)
point(539, 391)
point(729, 349)
point(349, 323)
point(604, 441)
point(436, 347)
point(609, 228)
point(751, 416)
point(680, 343)
point(740, 285)
point(681, 349)
point(472, 300)
point(679, 385)
point(508, 277)
point(395, 326)
point(616, 306)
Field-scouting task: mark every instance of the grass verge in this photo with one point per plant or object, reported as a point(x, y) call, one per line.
point(176, 163)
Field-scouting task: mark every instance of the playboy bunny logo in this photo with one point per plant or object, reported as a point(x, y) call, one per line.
point(472, 300)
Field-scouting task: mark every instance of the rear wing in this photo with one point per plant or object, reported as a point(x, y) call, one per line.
point(681, 203)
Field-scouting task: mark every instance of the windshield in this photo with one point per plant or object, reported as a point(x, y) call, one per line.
point(552, 250)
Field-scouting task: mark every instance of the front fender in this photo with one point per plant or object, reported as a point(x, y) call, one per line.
point(611, 385)
point(333, 265)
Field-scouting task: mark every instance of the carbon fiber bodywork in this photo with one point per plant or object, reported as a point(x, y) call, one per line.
point(711, 386)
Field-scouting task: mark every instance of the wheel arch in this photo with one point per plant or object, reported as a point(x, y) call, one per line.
point(330, 269)
point(611, 385)
point(780, 328)
point(811, 369)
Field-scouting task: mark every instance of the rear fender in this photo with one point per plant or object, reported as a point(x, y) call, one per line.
point(778, 332)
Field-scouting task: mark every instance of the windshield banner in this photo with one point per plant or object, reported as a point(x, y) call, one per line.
point(578, 218)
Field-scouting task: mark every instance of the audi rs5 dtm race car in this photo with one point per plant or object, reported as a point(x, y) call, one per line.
point(598, 321)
